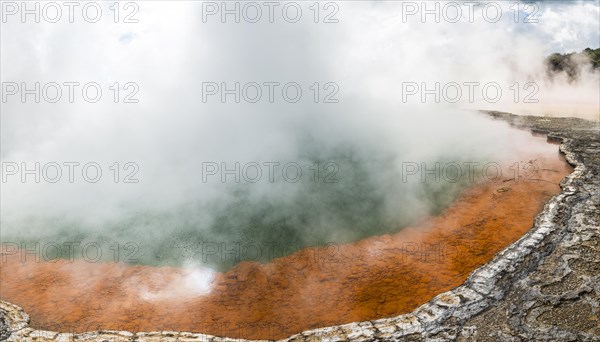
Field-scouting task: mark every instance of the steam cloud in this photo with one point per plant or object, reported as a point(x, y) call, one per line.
point(170, 133)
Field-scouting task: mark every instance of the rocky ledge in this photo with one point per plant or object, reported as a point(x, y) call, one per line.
point(544, 287)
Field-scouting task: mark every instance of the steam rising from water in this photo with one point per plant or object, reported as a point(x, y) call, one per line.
point(369, 134)
point(195, 281)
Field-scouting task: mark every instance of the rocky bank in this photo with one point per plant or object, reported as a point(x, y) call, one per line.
point(544, 287)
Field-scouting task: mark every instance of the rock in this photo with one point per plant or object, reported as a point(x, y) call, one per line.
point(4, 332)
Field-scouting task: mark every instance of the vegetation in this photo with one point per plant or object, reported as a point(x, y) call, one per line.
point(572, 63)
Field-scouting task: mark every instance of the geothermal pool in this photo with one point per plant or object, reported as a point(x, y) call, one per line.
point(375, 277)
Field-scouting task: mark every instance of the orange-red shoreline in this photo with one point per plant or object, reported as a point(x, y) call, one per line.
point(373, 278)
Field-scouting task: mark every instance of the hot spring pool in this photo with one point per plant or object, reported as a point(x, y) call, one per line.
point(289, 276)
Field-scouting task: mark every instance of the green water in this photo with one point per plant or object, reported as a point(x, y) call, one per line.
point(367, 196)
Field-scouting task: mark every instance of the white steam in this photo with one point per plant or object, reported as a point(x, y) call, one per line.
point(170, 133)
